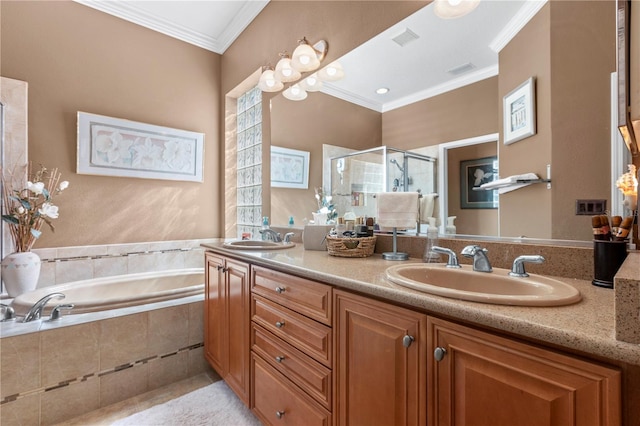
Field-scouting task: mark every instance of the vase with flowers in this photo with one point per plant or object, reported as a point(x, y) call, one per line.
point(26, 208)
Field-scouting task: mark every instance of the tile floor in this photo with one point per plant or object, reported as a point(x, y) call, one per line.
point(107, 415)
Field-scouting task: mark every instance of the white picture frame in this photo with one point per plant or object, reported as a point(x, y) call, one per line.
point(110, 146)
point(289, 168)
point(519, 112)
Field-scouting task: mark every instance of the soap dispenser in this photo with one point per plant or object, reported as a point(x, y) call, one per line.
point(429, 255)
point(450, 228)
point(265, 225)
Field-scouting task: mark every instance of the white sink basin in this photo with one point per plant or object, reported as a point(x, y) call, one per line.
point(496, 287)
point(257, 245)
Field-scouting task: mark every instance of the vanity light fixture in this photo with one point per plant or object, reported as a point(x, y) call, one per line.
point(451, 9)
point(306, 57)
point(295, 93)
point(311, 83)
point(332, 72)
point(268, 81)
point(284, 71)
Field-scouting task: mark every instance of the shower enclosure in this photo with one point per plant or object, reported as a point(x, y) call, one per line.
point(358, 176)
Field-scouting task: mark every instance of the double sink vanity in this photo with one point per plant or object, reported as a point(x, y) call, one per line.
point(306, 338)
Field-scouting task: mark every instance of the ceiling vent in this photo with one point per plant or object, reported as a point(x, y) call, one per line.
point(461, 69)
point(405, 37)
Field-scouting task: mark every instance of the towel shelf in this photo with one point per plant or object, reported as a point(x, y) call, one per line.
point(519, 181)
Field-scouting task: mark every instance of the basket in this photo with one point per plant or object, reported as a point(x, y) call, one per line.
point(351, 247)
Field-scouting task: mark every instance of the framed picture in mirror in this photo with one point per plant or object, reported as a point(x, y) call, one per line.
point(473, 174)
point(289, 168)
point(519, 112)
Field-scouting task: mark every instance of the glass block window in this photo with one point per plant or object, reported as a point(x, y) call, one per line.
point(249, 178)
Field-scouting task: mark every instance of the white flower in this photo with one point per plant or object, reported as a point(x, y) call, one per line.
point(36, 188)
point(63, 185)
point(21, 210)
point(49, 210)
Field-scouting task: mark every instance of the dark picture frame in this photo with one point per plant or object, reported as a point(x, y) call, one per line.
point(474, 173)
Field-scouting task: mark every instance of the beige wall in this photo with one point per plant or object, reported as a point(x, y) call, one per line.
point(74, 59)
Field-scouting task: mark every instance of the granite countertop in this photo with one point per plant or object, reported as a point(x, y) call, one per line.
point(586, 327)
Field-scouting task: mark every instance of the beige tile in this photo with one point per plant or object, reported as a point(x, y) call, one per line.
point(47, 275)
point(20, 364)
point(143, 263)
point(69, 352)
point(70, 401)
point(194, 258)
point(80, 251)
point(168, 370)
point(123, 340)
point(109, 266)
point(196, 323)
point(197, 363)
point(168, 329)
point(24, 411)
point(123, 384)
point(74, 270)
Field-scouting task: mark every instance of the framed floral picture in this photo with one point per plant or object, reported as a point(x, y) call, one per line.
point(519, 112)
point(289, 168)
point(110, 146)
point(474, 173)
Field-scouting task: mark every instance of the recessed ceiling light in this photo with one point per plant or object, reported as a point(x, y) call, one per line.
point(382, 90)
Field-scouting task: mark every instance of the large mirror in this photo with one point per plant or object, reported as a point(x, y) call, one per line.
point(568, 47)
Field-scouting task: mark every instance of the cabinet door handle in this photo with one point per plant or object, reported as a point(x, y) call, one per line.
point(279, 414)
point(407, 341)
point(280, 324)
point(219, 267)
point(279, 358)
point(439, 353)
point(280, 290)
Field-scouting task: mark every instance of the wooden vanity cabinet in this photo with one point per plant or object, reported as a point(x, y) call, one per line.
point(227, 321)
point(380, 363)
point(483, 379)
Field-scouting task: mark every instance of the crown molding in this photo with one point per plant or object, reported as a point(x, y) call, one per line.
point(332, 90)
point(131, 13)
point(524, 15)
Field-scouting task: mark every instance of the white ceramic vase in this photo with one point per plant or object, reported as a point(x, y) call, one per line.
point(20, 272)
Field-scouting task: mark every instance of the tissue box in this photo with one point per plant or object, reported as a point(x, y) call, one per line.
point(314, 237)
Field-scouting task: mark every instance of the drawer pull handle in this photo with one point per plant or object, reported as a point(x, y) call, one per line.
point(439, 353)
point(280, 290)
point(280, 324)
point(279, 358)
point(407, 341)
point(279, 414)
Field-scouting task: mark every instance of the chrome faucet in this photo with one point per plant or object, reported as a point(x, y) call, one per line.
point(480, 260)
point(453, 259)
point(271, 235)
point(288, 236)
point(517, 270)
point(36, 310)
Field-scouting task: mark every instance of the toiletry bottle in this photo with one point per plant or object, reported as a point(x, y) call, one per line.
point(265, 225)
point(450, 228)
point(290, 220)
point(429, 255)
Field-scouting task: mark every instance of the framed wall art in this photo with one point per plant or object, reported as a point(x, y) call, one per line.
point(289, 168)
point(519, 112)
point(110, 146)
point(474, 173)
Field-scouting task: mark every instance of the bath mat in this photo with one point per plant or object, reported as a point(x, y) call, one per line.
point(211, 405)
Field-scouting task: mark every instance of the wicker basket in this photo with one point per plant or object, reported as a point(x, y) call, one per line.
point(351, 247)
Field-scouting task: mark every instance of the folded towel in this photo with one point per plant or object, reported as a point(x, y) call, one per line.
point(509, 183)
point(397, 209)
point(427, 204)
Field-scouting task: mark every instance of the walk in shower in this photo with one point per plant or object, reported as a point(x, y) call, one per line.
point(358, 176)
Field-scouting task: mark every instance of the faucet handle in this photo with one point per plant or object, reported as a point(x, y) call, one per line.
point(453, 259)
point(517, 270)
point(55, 312)
point(470, 251)
point(288, 236)
point(8, 314)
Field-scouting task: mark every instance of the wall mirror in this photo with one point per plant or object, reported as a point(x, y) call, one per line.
point(570, 126)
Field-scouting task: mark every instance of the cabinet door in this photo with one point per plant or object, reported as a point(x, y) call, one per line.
point(380, 368)
point(238, 327)
point(483, 379)
point(215, 313)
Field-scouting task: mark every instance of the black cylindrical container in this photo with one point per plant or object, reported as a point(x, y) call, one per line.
point(607, 259)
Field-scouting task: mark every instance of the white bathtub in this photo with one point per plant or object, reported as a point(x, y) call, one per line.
point(101, 294)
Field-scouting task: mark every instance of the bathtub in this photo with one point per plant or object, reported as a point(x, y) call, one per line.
point(121, 291)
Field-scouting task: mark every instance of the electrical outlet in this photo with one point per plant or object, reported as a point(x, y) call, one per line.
point(590, 207)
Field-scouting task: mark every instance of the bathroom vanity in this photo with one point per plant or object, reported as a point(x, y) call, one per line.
point(306, 338)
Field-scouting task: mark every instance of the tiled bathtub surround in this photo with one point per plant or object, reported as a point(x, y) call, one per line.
point(57, 374)
point(67, 264)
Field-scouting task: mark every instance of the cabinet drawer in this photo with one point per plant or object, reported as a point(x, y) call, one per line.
point(307, 335)
point(313, 378)
point(304, 296)
point(276, 401)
